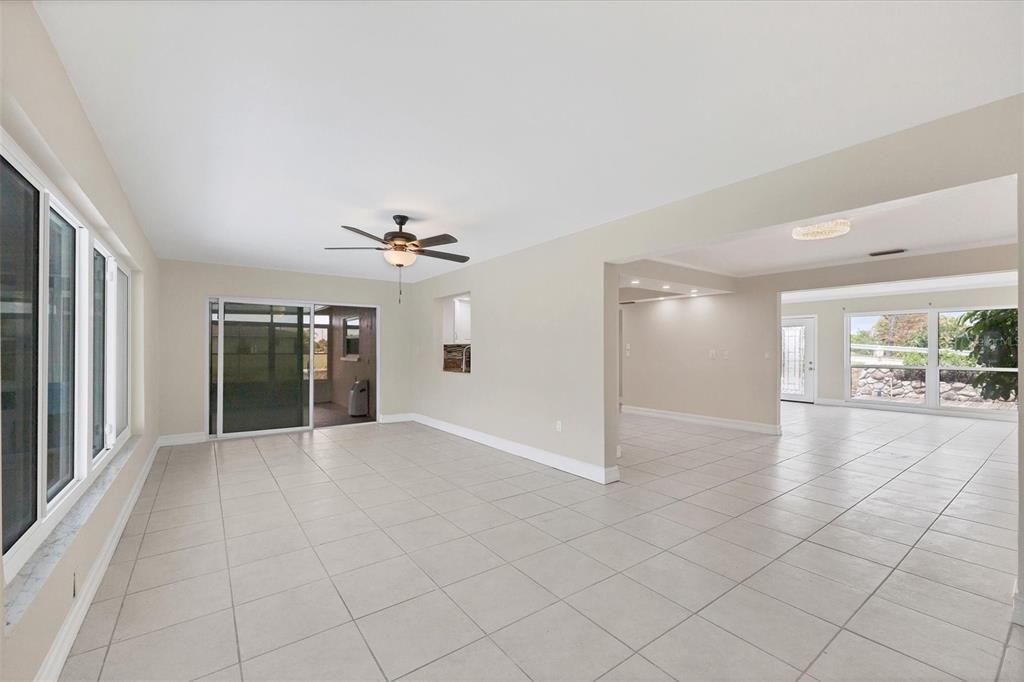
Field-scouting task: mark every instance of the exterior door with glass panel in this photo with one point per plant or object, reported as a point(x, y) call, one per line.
point(798, 342)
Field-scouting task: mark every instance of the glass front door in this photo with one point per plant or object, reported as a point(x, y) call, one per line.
point(798, 340)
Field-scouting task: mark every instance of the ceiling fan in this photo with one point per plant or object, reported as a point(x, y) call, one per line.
point(401, 248)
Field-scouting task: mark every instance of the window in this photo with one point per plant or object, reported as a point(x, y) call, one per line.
point(62, 372)
point(60, 381)
point(949, 359)
point(978, 359)
point(321, 345)
point(122, 351)
point(19, 324)
point(351, 335)
point(888, 357)
point(99, 352)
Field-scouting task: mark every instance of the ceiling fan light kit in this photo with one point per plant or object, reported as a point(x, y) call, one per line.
point(401, 248)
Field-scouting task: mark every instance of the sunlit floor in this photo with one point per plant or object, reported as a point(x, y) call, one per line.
point(860, 545)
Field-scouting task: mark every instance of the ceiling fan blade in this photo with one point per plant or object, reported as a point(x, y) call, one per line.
point(354, 248)
point(443, 256)
point(437, 240)
point(365, 234)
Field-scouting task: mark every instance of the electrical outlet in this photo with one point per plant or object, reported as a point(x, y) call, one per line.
point(712, 354)
point(618, 452)
point(558, 425)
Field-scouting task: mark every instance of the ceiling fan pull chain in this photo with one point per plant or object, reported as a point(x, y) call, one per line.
point(399, 286)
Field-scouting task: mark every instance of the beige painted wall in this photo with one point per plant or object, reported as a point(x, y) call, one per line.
point(831, 323)
point(669, 363)
point(42, 114)
point(185, 289)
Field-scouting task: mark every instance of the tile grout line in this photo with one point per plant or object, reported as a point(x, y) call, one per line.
point(844, 626)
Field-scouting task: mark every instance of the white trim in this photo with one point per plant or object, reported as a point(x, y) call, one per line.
point(564, 463)
point(183, 438)
point(738, 424)
point(53, 663)
point(963, 412)
point(395, 418)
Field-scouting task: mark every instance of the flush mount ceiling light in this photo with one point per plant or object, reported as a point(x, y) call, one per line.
point(693, 291)
point(826, 230)
point(666, 286)
point(634, 281)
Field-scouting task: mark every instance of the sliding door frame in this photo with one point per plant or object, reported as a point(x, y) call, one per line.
point(312, 305)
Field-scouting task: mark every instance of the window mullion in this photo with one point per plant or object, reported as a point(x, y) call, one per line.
point(932, 371)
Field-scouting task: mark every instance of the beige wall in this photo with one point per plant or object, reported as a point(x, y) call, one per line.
point(831, 323)
point(42, 114)
point(185, 289)
point(669, 363)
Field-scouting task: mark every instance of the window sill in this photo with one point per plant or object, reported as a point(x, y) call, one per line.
point(22, 589)
point(349, 358)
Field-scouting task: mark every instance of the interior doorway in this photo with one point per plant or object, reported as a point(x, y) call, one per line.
point(344, 365)
point(799, 348)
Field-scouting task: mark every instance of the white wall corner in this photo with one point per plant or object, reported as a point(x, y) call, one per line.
point(721, 422)
point(53, 664)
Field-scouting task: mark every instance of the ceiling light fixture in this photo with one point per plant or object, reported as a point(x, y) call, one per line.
point(666, 286)
point(693, 291)
point(401, 258)
point(634, 281)
point(826, 230)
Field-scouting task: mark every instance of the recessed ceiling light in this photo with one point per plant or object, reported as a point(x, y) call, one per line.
point(634, 281)
point(666, 286)
point(693, 291)
point(827, 230)
point(692, 295)
point(661, 298)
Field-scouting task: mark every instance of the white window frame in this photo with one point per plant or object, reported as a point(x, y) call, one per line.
point(49, 513)
point(931, 404)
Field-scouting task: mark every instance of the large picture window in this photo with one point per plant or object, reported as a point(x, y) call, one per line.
point(19, 372)
point(950, 358)
point(64, 380)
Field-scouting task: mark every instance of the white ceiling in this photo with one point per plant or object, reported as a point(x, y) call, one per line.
point(245, 133)
point(979, 214)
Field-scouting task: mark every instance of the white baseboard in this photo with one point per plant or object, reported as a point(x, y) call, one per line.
point(394, 418)
point(569, 465)
point(738, 424)
point(53, 664)
point(183, 438)
point(966, 413)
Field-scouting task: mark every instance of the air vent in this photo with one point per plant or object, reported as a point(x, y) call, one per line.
point(890, 252)
point(626, 302)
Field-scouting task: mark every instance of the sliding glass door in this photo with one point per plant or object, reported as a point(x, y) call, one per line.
point(259, 362)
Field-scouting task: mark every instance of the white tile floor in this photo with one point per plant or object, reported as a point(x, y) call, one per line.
point(860, 545)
